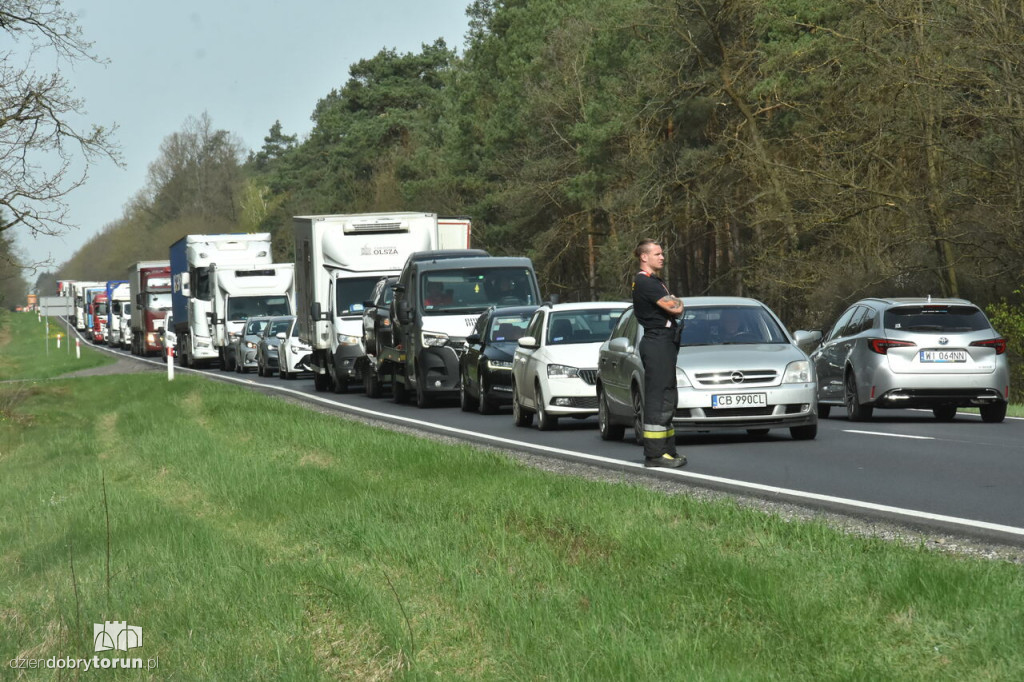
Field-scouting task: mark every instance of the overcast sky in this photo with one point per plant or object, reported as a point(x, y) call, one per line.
point(246, 63)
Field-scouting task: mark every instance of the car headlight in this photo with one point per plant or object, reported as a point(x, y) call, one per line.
point(564, 371)
point(434, 339)
point(682, 381)
point(797, 372)
point(499, 364)
point(250, 344)
point(347, 340)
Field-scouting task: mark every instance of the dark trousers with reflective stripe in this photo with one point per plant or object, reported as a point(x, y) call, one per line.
point(658, 349)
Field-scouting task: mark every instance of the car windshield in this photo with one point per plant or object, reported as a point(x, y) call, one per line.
point(936, 318)
point(254, 327)
point(507, 328)
point(727, 325)
point(351, 293)
point(279, 326)
point(582, 326)
point(475, 290)
point(244, 307)
point(161, 302)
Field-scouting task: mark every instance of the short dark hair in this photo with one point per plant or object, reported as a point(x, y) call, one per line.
point(644, 246)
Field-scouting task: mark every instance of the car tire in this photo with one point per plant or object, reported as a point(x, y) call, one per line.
point(806, 432)
point(993, 413)
point(399, 391)
point(423, 400)
point(519, 413)
point(338, 384)
point(856, 411)
point(638, 416)
point(321, 382)
point(944, 413)
point(371, 384)
point(607, 429)
point(545, 420)
point(466, 402)
point(824, 411)
point(485, 405)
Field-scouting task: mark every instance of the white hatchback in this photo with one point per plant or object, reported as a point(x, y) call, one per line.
point(554, 372)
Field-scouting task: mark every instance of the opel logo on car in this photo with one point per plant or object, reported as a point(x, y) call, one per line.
point(737, 377)
point(943, 340)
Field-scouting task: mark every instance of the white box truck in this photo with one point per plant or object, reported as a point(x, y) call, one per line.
point(338, 260)
point(217, 282)
point(79, 289)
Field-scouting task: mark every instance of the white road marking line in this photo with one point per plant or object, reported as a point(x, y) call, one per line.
point(890, 435)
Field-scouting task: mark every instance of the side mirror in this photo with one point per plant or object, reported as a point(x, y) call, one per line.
point(528, 342)
point(282, 336)
point(473, 339)
point(403, 311)
point(620, 344)
point(807, 339)
point(368, 304)
point(314, 311)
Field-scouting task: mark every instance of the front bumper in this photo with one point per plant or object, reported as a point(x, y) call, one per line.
point(788, 405)
point(345, 361)
point(570, 396)
point(439, 368)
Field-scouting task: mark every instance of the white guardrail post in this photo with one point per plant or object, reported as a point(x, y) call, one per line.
point(170, 362)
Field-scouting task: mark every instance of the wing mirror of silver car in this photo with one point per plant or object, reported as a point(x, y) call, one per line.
point(620, 345)
point(807, 339)
point(528, 342)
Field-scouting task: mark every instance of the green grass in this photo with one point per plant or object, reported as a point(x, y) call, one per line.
point(27, 353)
point(254, 539)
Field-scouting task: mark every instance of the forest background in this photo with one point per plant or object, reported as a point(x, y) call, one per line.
point(803, 153)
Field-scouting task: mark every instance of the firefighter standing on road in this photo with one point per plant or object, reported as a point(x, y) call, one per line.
point(659, 313)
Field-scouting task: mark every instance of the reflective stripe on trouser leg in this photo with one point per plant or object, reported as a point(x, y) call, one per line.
point(658, 351)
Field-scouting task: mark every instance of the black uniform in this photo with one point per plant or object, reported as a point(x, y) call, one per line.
point(658, 349)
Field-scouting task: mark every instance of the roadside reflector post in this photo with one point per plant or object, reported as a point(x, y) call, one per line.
point(78, 349)
point(170, 363)
point(58, 341)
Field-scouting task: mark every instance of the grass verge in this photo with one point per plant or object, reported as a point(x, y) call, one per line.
point(253, 539)
point(27, 353)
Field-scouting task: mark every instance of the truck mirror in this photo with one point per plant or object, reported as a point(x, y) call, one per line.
point(403, 311)
point(369, 304)
point(314, 311)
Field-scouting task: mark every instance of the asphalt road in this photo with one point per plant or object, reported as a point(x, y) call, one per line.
point(963, 476)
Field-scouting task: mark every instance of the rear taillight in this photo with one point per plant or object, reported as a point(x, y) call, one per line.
point(998, 344)
point(882, 346)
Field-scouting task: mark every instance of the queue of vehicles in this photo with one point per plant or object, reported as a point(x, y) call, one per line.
point(400, 303)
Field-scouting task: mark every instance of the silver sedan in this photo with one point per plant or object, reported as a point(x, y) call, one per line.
point(737, 368)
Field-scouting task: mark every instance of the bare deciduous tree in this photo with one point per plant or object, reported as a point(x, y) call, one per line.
point(43, 154)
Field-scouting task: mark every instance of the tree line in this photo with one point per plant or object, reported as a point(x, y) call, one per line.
point(803, 153)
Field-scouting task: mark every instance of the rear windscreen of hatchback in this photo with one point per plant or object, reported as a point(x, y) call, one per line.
point(936, 318)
